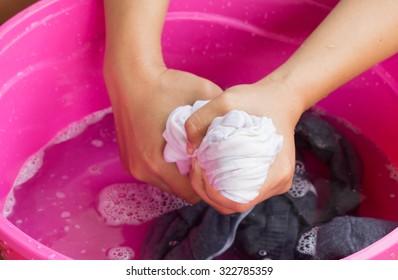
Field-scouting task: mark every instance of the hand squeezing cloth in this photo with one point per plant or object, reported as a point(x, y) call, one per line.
point(294, 225)
point(236, 152)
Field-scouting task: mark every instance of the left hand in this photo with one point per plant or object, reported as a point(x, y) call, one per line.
point(260, 99)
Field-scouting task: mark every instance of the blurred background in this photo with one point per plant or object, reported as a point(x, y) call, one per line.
point(9, 8)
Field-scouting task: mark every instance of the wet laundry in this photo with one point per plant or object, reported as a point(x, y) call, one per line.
point(307, 222)
point(237, 173)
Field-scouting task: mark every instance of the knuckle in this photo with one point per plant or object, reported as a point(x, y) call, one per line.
point(210, 90)
point(226, 103)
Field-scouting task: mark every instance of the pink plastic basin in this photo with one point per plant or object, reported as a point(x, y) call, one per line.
point(51, 75)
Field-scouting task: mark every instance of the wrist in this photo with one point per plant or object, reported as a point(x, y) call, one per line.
point(130, 71)
point(133, 37)
point(303, 80)
point(286, 93)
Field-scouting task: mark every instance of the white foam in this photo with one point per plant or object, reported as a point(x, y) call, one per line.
point(135, 203)
point(120, 253)
point(97, 143)
point(60, 194)
point(30, 168)
point(9, 204)
point(33, 164)
point(76, 128)
point(65, 214)
point(301, 187)
point(393, 171)
point(307, 242)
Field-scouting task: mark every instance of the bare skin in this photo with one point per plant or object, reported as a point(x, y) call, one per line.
point(143, 91)
point(356, 35)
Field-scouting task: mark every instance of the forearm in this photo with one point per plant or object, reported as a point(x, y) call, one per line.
point(133, 32)
point(356, 35)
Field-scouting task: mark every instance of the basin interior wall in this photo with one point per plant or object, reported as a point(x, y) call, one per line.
point(51, 58)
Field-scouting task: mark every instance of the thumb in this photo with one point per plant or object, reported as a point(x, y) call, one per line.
point(197, 124)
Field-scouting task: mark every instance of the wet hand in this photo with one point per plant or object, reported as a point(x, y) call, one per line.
point(268, 99)
point(141, 106)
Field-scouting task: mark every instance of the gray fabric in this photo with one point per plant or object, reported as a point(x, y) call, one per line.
point(314, 134)
point(342, 237)
point(272, 228)
point(184, 234)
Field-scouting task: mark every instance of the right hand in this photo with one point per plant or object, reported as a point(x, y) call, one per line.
point(142, 102)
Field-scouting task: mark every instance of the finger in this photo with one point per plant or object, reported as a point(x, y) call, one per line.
point(278, 180)
point(179, 184)
point(201, 88)
point(206, 90)
point(221, 201)
point(197, 124)
point(274, 184)
point(191, 88)
point(199, 185)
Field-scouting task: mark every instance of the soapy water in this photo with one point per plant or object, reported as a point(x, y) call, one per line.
point(307, 242)
point(121, 253)
point(35, 162)
point(75, 197)
point(134, 204)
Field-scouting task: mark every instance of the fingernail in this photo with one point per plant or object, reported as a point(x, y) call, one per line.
point(190, 148)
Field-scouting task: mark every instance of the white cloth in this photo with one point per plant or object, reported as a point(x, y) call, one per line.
point(235, 154)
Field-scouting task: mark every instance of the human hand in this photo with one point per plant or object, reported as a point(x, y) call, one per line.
point(142, 102)
point(265, 98)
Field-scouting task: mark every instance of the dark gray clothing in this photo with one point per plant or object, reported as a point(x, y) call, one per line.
point(272, 228)
point(341, 237)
